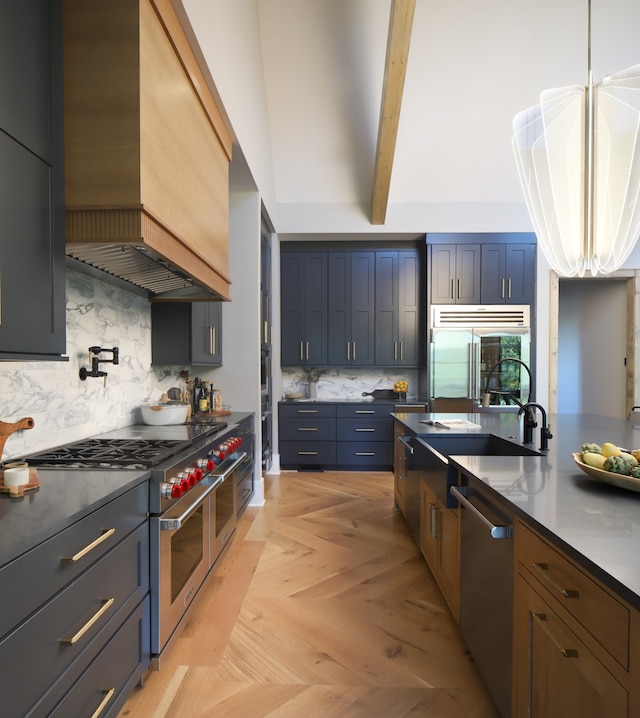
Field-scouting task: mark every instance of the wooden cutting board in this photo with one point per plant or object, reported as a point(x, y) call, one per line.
point(6, 429)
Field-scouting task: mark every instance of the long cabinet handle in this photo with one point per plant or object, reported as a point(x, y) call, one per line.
point(432, 521)
point(452, 295)
point(365, 429)
point(497, 532)
point(307, 357)
point(106, 605)
point(543, 570)
point(212, 340)
point(301, 351)
point(365, 453)
point(87, 549)
point(502, 288)
point(509, 289)
point(307, 428)
point(348, 351)
point(108, 695)
point(458, 288)
point(307, 453)
point(364, 411)
point(541, 620)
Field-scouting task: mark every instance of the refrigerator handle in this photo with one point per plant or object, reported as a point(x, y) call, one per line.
point(474, 373)
point(471, 371)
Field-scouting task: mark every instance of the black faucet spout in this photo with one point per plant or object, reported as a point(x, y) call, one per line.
point(530, 423)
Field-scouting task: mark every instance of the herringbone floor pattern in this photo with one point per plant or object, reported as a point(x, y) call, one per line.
point(322, 608)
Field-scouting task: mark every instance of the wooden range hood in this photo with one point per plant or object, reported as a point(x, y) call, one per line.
point(147, 151)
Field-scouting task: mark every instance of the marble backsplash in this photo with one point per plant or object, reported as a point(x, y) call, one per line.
point(63, 407)
point(348, 383)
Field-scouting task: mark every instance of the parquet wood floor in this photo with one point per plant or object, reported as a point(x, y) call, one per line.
point(322, 608)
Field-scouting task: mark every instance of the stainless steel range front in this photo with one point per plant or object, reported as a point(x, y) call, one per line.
point(199, 476)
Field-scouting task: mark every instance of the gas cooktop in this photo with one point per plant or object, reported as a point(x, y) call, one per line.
point(109, 453)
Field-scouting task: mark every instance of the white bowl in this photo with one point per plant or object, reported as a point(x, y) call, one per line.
point(162, 414)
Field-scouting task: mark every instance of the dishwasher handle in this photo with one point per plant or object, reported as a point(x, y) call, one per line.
point(497, 532)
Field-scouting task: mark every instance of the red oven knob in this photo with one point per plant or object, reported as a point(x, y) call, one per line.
point(171, 490)
point(192, 479)
point(211, 464)
point(199, 473)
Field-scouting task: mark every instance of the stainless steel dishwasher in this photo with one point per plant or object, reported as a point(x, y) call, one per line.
point(486, 585)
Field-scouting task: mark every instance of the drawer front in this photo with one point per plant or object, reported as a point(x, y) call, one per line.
point(365, 454)
point(49, 651)
point(110, 679)
point(307, 410)
point(307, 453)
point(365, 430)
point(365, 410)
point(307, 429)
point(31, 579)
point(598, 611)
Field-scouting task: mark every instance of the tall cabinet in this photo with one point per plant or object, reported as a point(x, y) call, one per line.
point(304, 308)
point(32, 260)
point(266, 378)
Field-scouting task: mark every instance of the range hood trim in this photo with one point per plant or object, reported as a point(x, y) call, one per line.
point(117, 241)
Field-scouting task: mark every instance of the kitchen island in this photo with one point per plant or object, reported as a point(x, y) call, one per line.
point(574, 573)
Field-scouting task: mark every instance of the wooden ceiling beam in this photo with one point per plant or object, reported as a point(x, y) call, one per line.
point(398, 41)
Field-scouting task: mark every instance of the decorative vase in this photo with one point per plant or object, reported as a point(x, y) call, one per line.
point(313, 389)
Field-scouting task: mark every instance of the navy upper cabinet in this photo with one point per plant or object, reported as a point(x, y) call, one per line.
point(32, 259)
point(185, 333)
point(508, 273)
point(455, 274)
point(398, 309)
point(303, 296)
point(351, 308)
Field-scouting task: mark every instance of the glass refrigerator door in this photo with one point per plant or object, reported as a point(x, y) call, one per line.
point(504, 365)
point(453, 363)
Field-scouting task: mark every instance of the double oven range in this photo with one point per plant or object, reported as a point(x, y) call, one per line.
point(201, 478)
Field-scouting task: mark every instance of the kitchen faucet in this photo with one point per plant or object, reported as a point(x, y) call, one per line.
point(94, 353)
point(530, 424)
point(508, 394)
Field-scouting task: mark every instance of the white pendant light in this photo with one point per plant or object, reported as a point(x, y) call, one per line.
point(578, 157)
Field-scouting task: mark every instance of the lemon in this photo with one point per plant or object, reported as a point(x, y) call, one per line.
point(609, 449)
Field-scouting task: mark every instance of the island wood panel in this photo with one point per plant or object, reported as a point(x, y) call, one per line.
point(321, 606)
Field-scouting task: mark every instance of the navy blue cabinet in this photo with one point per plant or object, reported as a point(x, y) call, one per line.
point(186, 333)
point(399, 309)
point(455, 273)
point(508, 274)
point(351, 315)
point(304, 308)
point(32, 267)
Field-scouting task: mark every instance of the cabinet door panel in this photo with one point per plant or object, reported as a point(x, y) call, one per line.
point(339, 315)
point(493, 274)
point(443, 273)
point(468, 274)
point(520, 271)
point(206, 333)
point(409, 309)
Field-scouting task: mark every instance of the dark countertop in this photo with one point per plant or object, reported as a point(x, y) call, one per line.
point(355, 400)
point(596, 524)
point(68, 495)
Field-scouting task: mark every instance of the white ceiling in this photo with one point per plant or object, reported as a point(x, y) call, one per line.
point(472, 66)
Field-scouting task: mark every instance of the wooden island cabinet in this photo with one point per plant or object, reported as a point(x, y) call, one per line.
point(576, 643)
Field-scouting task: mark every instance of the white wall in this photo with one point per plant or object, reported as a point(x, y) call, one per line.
point(591, 347)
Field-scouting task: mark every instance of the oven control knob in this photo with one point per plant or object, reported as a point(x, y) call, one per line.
point(198, 472)
point(201, 463)
point(171, 490)
point(211, 464)
point(192, 479)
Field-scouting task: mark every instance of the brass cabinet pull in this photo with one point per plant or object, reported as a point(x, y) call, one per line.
point(76, 557)
point(212, 340)
point(106, 605)
point(540, 619)
point(432, 521)
point(542, 569)
point(108, 695)
point(307, 411)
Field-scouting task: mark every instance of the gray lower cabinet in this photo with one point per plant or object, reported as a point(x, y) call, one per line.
point(75, 636)
point(336, 436)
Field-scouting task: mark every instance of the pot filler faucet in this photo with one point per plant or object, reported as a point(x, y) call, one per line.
point(530, 424)
point(94, 353)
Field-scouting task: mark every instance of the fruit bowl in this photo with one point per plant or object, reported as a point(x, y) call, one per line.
point(608, 477)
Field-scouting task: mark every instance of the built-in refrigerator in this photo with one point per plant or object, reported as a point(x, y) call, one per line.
point(481, 353)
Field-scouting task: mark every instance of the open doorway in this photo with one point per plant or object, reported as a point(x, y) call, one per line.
point(593, 326)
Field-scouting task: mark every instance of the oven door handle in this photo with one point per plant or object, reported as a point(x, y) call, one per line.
point(173, 524)
point(225, 472)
